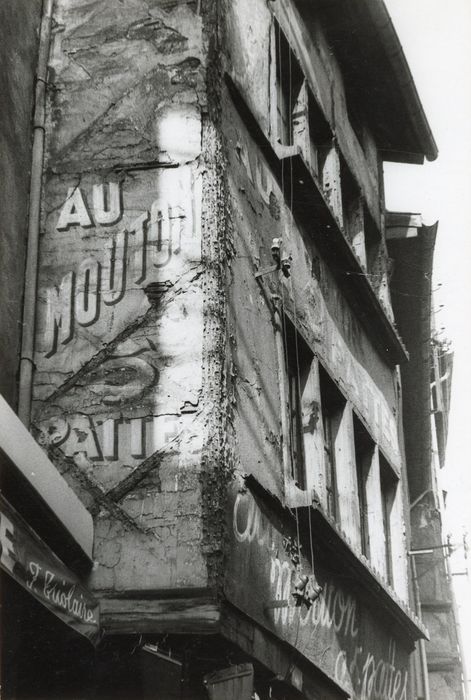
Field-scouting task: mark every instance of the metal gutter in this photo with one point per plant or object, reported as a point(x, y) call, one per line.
point(31, 272)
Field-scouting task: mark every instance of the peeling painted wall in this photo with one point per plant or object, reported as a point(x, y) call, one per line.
point(119, 342)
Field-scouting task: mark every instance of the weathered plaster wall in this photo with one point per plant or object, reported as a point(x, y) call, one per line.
point(18, 53)
point(311, 295)
point(119, 345)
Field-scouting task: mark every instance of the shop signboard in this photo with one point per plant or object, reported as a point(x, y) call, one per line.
point(25, 557)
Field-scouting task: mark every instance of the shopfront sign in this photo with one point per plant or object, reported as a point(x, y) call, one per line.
point(25, 557)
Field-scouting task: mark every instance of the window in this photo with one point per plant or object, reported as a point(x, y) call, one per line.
point(388, 482)
point(298, 123)
point(332, 406)
point(320, 138)
point(298, 361)
point(364, 451)
point(353, 214)
point(290, 90)
point(297, 119)
point(373, 248)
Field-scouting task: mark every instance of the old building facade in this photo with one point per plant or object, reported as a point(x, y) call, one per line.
point(427, 375)
point(215, 361)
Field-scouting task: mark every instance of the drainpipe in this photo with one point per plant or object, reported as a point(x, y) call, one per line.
point(31, 271)
point(422, 652)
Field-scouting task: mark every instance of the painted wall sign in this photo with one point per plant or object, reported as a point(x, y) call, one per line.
point(133, 252)
point(26, 558)
point(111, 244)
point(105, 242)
point(338, 632)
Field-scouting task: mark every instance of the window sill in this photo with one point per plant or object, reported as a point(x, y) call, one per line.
point(309, 203)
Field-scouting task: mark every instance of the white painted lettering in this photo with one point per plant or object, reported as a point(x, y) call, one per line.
point(34, 570)
point(137, 438)
point(74, 212)
point(60, 314)
point(109, 441)
point(139, 259)
point(159, 234)
point(87, 307)
point(107, 206)
point(7, 533)
point(114, 272)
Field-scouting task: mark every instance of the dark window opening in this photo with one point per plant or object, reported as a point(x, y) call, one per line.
point(364, 450)
point(375, 262)
point(388, 480)
point(289, 82)
point(353, 213)
point(320, 137)
point(332, 406)
point(298, 359)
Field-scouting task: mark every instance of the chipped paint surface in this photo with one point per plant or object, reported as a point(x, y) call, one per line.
point(119, 338)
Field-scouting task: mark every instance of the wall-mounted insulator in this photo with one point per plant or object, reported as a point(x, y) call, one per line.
point(286, 266)
point(276, 249)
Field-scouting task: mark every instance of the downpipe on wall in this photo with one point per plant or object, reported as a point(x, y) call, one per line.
point(34, 213)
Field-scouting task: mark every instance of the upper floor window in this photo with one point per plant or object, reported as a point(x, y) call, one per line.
point(297, 120)
point(388, 483)
point(298, 125)
point(326, 446)
point(364, 451)
point(290, 90)
point(298, 362)
point(332, 408)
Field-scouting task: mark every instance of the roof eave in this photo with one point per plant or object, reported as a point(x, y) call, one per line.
point(396, 56)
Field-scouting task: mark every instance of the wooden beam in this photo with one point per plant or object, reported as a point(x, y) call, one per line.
point(172, 615)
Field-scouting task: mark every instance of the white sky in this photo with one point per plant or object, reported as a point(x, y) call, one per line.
point(436, 38)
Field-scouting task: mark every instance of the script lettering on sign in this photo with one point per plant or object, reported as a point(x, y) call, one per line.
point(361, 656)
point(34, 566)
